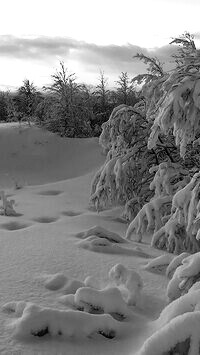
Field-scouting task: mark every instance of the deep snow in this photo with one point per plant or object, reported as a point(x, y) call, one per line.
point(40, 252)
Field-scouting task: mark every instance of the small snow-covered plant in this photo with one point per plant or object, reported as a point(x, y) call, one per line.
point(107, 300)
point(7, 208)
point(130, 280)
point(38, 321)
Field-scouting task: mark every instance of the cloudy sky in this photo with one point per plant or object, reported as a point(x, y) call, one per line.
point(89, 36)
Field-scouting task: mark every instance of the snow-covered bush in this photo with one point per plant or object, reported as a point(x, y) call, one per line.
point(107, 300)
point(119, 180)
point(7, 208)
point(101, 232)
point(159, 187)
point(39, 321)
point(129, 280)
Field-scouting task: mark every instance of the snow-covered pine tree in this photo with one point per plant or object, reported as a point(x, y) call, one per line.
point(170, 206)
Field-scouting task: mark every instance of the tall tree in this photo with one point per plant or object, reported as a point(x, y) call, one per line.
point(27, 99)
point(102, 91)
point(125, 90)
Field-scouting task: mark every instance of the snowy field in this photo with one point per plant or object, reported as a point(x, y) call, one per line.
point(44, 257)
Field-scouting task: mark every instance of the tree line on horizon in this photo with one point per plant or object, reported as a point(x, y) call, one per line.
point(67, 107)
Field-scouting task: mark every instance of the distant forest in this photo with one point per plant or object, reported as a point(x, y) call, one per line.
point(67, 107)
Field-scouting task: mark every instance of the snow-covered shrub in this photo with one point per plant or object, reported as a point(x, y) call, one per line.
point(101, 232)
point(124, 137)
point(148, 217)
point(7, 208)
point(146, 173)
point(108, 300)
point(130, 280)
point(39, 321)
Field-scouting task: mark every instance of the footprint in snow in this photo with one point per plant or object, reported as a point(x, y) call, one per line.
point(13, 226)
point(50, 192)
point(45, 219)
point(71, 213)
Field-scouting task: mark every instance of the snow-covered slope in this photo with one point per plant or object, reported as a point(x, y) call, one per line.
point(39, 247)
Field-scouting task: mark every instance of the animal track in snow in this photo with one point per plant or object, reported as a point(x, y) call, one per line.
point(13, 225)
point(50, 192)
point(45, 219)
point(71, 213)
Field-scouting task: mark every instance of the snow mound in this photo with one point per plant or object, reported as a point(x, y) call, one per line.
point(97, 244)
point(108, 300)
point(159, 263)
point(101, 245)
point(39, 321)
point(101, 232)
point(72, 286)
point(69, 301)
point(15, 307)
point(55, 281)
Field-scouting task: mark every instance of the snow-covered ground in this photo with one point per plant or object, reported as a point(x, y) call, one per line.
point(43, 254)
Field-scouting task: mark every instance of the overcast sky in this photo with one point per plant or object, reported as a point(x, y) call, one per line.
point(89, 36)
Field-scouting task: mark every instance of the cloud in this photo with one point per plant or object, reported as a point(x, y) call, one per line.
point(89, 57)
